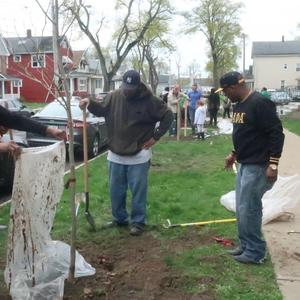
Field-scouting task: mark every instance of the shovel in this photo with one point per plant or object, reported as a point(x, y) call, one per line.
point(168, 223)
point(88, 216)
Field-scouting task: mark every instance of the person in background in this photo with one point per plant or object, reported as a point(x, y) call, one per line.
point(199, 121)
point(213, 106)
point(194, 95)
point(173, 101)
point(131, 114)
point(226, 106)
point(164, 94)
point(16, 121)
point(258, 141)
point(265, 93)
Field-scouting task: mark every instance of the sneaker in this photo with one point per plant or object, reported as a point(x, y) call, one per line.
point(136, 230)
point(235, 251)
point(246, 260)
point(113, 224)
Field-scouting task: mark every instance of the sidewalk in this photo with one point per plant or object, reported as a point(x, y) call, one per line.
point(285, 248)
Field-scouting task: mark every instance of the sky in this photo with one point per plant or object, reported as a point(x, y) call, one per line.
point(261, 20)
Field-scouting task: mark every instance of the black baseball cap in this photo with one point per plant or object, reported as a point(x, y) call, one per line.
point(131, 80)
point(228, 79)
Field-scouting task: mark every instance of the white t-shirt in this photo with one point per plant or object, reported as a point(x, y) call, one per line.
point(200, 115)
point(139, 158)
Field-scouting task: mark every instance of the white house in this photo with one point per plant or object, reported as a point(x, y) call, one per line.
point(276, 65)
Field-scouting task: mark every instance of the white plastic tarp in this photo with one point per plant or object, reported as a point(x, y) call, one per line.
point(225, 126)
point(277, 202)
point(37, 266)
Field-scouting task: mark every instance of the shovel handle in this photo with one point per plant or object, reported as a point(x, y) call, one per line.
point(85, 152)
point(168, 223)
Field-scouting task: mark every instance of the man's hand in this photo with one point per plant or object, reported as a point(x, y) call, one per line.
point(56, 133)
point(84, 103)
point(271, 174)
point(12, 148)
point(229, 161)
point(149, 143)
point(3, 130)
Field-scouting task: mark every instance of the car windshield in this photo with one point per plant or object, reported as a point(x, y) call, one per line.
point(55, 109)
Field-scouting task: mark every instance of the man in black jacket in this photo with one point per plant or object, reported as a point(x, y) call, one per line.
point(132, 114)
point(258, 141)
point(13, 120)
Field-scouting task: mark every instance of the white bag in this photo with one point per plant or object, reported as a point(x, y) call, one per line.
point(36, 266)
point(277, 202)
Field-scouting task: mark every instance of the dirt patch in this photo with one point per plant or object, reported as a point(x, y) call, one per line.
point(135, 268)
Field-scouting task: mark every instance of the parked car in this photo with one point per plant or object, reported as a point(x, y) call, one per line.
point(16, 105)
point(55, 115)
point(280, 97)
point(100, 96)
point(295, 95)
point(7, 165)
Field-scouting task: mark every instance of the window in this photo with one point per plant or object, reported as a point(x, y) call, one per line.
point(17, 58)
point(82, 85)
point(18, 83)
point(297, 67)
point(282, 84)
point(285, 66)
point(99, 83)
point(38, 61)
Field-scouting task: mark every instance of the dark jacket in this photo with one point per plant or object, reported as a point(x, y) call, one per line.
point(131, 122)
point(15, 121)
point(257, 131)
point(213, 102)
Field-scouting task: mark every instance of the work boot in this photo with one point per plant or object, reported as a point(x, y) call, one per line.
point(202, 135)
point(247, 260)
point(114, 224)
point(235, 251)
point(136, 230)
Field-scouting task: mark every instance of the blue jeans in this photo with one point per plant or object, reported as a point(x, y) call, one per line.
point(251, 184)
point(136, 178)
point(192, 117)
point(173, 127)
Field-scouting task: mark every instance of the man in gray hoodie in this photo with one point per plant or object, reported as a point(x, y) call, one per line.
point(132, 114)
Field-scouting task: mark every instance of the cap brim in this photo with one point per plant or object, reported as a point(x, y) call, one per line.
point(219, 90)
point(126, 86)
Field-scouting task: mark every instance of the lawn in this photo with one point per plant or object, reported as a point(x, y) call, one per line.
point(185, 184)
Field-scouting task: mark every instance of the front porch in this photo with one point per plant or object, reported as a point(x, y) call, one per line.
point(9, 86)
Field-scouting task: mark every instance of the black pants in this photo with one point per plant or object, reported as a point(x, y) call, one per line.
point(213, 116)
point(226, 112)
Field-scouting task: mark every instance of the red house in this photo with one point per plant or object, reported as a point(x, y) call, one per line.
point(8, 84)
point(31, 59)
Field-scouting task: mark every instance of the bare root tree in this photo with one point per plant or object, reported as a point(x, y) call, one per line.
point(137, 17)
point(219, 23)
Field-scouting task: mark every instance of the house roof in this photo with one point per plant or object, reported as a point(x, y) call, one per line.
point(77, 56)
point(94, 65)
point(3, 49)
point(33, 44)
point(276, 48)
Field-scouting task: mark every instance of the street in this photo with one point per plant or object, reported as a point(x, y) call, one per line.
point(78, 161)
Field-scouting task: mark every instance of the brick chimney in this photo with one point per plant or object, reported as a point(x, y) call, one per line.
point(28, 34)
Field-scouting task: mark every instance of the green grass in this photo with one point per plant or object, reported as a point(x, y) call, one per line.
point(185, 185)
point(292, 125)
point(35, 105)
